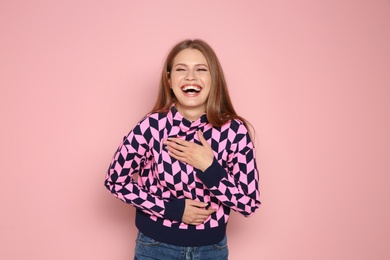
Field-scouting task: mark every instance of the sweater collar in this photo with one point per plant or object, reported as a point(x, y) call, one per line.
point(185, 124)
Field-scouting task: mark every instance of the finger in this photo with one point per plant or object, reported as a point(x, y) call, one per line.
point(176, 146)
point(177, 141)
point(211, 211)
point(195, 203)
point(174, 152)
point(201, 138)
point(178, 155)
point(204, 213)
point(199, 219)
point(207, 212)
point(195, 223)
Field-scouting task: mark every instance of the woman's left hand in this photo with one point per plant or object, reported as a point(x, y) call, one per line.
point(199, 156)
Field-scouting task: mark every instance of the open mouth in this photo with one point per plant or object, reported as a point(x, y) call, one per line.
point(191, 89)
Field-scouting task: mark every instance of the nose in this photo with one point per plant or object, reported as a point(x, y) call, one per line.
point(190, 75)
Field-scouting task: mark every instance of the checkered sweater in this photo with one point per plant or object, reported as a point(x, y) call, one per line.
point(144, 175)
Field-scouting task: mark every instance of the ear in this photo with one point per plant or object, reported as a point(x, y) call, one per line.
point(169, 79)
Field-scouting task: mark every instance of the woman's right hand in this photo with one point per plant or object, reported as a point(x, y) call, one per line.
point(195, 212)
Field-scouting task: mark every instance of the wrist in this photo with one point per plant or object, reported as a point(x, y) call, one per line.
point(207, 165)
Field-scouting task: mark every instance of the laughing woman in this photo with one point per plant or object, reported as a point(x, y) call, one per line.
point(187, 163)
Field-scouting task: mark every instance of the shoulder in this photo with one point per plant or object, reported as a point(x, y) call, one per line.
point(153, 119)
point(237, 131)
point(236, 125)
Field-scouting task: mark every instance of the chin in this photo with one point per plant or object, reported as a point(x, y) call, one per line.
point(190, 104)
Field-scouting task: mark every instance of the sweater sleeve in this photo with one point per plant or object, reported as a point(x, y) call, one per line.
point(237, 186)
point(129, 160)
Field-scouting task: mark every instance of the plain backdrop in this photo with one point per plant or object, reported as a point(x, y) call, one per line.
point(311, 76)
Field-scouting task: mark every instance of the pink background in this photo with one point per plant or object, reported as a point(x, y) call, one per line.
point(311, 76)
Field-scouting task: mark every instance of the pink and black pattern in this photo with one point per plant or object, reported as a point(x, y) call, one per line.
point(144, 175)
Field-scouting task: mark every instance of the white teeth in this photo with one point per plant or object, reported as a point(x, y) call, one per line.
point(195, 88)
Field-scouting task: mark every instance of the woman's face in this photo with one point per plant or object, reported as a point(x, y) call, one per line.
point(190, 80)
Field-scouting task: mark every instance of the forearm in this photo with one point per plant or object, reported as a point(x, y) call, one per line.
point(242, 197)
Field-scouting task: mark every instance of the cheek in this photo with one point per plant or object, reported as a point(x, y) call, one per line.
point(207, 80)
point(174, 81)
point(207, 83)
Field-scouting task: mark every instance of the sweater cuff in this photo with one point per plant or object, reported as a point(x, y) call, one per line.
point(212, 176)
point(174, 209)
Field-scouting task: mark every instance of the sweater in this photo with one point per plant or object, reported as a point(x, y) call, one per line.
point(143, 174)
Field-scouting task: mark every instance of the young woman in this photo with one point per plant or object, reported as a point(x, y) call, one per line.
point(187, 163)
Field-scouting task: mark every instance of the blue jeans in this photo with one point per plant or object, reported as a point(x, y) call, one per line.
point(147, 249)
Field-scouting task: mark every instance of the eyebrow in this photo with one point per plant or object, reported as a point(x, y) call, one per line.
point(182, 64)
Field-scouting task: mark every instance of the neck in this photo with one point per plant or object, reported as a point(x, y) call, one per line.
point(191, 114)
